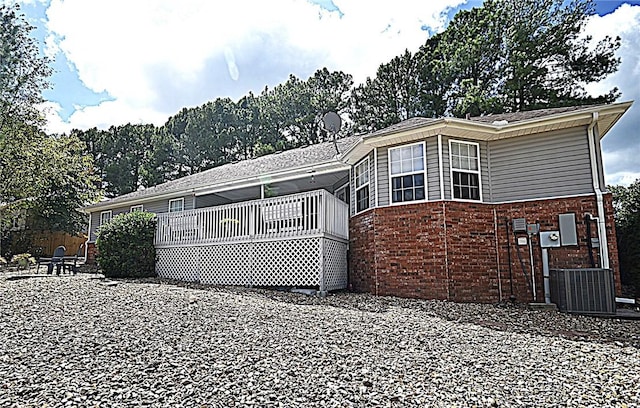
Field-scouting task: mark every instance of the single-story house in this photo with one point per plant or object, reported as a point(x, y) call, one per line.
point(459, 209)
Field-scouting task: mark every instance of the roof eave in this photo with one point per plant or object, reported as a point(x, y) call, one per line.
point(455, 127)
point(285, 175)
point(274, 177)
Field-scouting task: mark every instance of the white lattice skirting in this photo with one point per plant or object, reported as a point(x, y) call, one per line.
point(307, 262)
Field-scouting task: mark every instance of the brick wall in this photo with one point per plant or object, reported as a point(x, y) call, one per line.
point(92, 251)
point(460, 251)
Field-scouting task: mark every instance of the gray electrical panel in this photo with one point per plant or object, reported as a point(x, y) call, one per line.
point(519, 225)
point(568, 233)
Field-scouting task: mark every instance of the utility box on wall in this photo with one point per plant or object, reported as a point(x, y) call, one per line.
point(586, 291)
point(567, 226)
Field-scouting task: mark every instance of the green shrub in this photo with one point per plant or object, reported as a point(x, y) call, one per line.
point(125, 246)
point(23, 260)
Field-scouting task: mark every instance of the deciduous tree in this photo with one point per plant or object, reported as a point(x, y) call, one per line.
point(23, 72)
point(627, 216)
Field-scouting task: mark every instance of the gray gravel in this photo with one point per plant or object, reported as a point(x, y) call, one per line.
point(75, 341)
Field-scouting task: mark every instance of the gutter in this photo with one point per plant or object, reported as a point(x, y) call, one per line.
point(332, 166)
point(297, 173)
point(107, 205)
point(490, 131)
point(602, 230)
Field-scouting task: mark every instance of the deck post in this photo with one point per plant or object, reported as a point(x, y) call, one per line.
point(322, 284)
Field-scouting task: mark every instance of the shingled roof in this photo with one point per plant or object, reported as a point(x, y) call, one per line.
point(520, 116)
point(491, 119)
point(411, 123)
point(313, 155)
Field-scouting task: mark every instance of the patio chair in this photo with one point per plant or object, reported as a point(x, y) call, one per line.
point(57, 261)
point(77, 259)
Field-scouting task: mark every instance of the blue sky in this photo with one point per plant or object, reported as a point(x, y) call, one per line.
point(121, 61)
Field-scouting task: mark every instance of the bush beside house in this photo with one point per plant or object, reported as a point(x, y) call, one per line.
point(125, 246)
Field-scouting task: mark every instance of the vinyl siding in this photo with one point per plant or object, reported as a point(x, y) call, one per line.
point(550, 164)
point(159, 206)
point(432, 165)
point(485, 174)
point(383, 176)
point(373, 190)
point(485, 184)
point(433, 174)
point(433, 170)
point(372, 184)
point(446, 166)
point(95, 219)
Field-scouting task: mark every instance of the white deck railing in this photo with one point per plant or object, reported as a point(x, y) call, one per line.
point(296, 215)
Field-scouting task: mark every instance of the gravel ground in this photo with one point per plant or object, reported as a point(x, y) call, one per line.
point(76, 341)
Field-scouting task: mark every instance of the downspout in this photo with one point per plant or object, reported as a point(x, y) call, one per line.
point(446, 250)
point(86, 245)
point(440, 167)
point(602, 230)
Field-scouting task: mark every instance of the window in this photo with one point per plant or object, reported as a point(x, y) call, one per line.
point(176, 205)
point(465, 170)
point(407, 173)
point(342, 193)
point(105, 217)
point(361, 174)
point(135, 208)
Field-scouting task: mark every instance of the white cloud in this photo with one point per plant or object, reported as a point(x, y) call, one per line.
point(23, 2)
point(51, 111)
point(155, 56)
point(621, 146)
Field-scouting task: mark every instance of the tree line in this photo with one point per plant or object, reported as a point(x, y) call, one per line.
point(505, 56)
point(131, 156)
point(508, 55)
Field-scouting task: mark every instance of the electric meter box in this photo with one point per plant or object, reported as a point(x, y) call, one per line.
point(533, 229)
point(550, 239)
point(568, 233)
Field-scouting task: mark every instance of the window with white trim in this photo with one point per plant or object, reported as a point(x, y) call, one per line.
point(176, 205)
point(361, 176)
point(342, 193)
point(135, 208)
point(407, 173)
point(465, 170)
point(105, 217)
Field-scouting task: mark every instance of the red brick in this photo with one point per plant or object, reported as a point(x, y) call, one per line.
point(405, 251)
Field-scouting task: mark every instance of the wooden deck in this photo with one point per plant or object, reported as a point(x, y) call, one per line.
point(295, 240)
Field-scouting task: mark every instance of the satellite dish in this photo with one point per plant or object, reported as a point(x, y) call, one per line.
point(332, 122)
